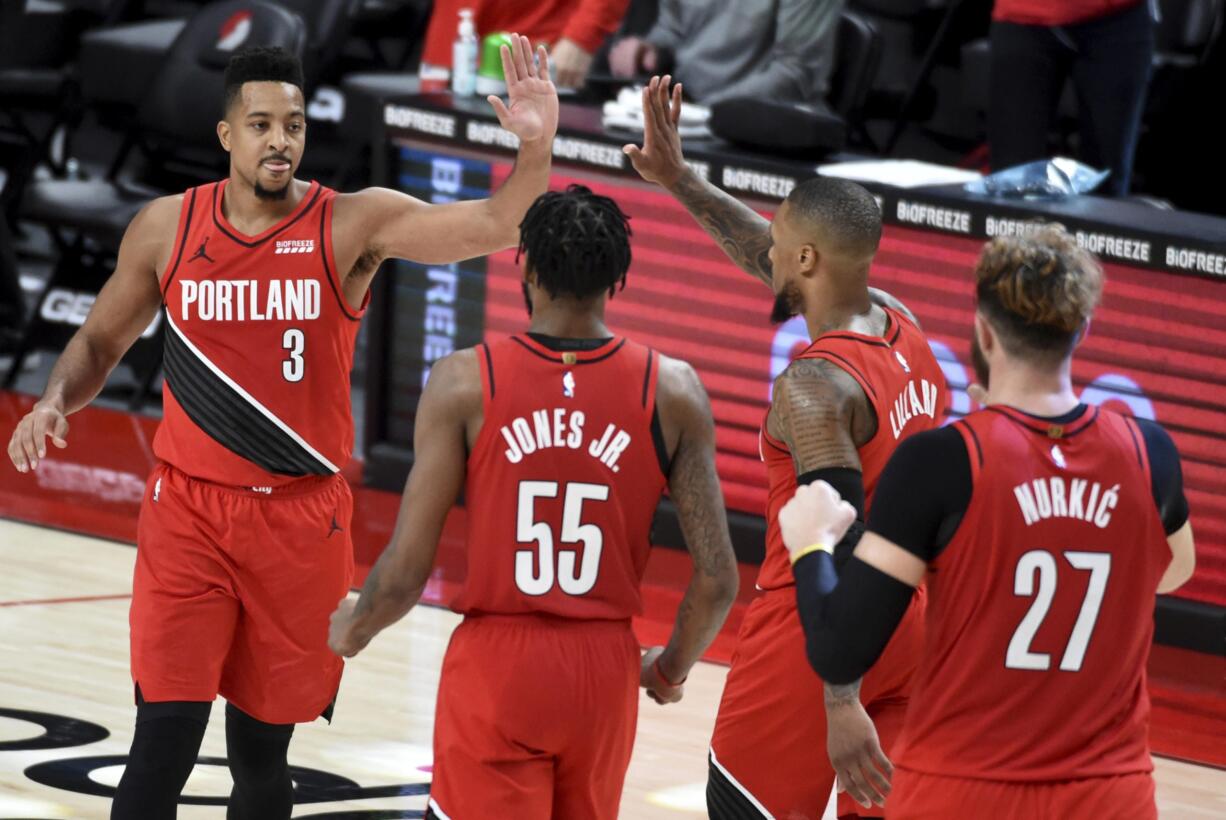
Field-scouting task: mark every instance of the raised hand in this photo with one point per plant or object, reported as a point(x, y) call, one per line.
point(28, 443)
point(660, 159)
point(533, 110)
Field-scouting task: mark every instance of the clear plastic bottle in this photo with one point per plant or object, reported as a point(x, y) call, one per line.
point(464, 57)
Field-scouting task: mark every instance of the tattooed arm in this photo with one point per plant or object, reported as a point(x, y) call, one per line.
point(693, 484)
point(817, 410)
point(821, 414)
point(742, 232)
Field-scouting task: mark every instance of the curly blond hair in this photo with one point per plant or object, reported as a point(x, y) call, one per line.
point(1039, 289)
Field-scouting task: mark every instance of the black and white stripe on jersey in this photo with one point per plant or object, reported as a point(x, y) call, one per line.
point(231, 416)
point(728, 799)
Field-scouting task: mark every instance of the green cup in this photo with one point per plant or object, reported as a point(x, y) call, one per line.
point(489, 72)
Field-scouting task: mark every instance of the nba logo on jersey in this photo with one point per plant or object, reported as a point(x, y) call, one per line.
point(568, 385)
point(157, 489)
point(902, 361)
point(1058, 457)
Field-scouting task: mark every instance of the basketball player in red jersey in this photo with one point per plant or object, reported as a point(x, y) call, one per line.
point(244, 529)
point(1044, 528)
point(563, 439)
point(867, 381)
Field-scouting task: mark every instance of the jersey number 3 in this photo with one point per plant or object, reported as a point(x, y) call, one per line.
point(293, 368)
point(535, 570)
point(1044, 563)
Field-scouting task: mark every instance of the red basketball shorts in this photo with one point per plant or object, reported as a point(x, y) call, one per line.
point(768, 752)
point(535, 718)
point(917, 796)
point(233, 590)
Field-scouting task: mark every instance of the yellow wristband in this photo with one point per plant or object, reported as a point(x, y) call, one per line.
point(818, 547)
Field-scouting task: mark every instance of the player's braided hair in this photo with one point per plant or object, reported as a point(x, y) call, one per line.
point(577, 242)
point(258, 64)
point(1039, 289)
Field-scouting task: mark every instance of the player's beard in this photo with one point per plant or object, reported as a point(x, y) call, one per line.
point(789, 302)
point(271, 194)
point(979, 362)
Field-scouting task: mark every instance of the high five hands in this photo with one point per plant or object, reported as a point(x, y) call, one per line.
point(659, 159)
point(531, 110)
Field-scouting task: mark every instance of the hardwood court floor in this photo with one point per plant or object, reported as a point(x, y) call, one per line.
point(63, 651)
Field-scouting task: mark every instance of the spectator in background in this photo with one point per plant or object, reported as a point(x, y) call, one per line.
point(1106, 46)
point(572, 30)
point(781, 49)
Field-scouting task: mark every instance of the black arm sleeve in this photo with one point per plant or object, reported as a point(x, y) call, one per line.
point(848, 625)
point(923, 493)
point(1166, 475)
point(850, 485)
point(849, 615)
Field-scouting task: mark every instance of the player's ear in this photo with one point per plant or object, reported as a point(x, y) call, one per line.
point(223, 135)
point(806, 259)
point(1082, 334)
point(984, 334)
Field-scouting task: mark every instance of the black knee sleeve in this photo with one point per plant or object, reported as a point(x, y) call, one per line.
point(258, 755)
point(164, 749)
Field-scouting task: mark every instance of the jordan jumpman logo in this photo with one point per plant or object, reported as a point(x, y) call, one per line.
point(200, 252)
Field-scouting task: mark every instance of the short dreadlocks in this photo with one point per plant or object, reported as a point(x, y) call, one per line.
point(577, 243)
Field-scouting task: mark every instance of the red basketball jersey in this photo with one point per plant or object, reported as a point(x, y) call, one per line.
point(563, 480)
point(259, 345)
point(906, 389)
point(1041, 607)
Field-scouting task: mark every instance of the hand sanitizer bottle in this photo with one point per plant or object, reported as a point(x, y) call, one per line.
point(464, 57)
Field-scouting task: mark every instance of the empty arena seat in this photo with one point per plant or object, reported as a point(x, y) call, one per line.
point(179, 111)
point(821, 128)
point(38, 47)
point(118, 62)
point(859, 57)
point(1186, 31)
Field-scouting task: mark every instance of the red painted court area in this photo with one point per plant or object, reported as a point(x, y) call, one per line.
point(95, 486)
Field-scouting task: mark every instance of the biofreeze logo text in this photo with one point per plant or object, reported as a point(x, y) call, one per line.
point(295, 246)
point(414, 119)
point(593, 153)
point(741, 179)
point(1117, 247)
point(997, 226)
point(482, 133)
point(945, 219)
point(1194, 260)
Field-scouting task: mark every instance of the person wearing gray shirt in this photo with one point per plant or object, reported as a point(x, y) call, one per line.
point(722, 49)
